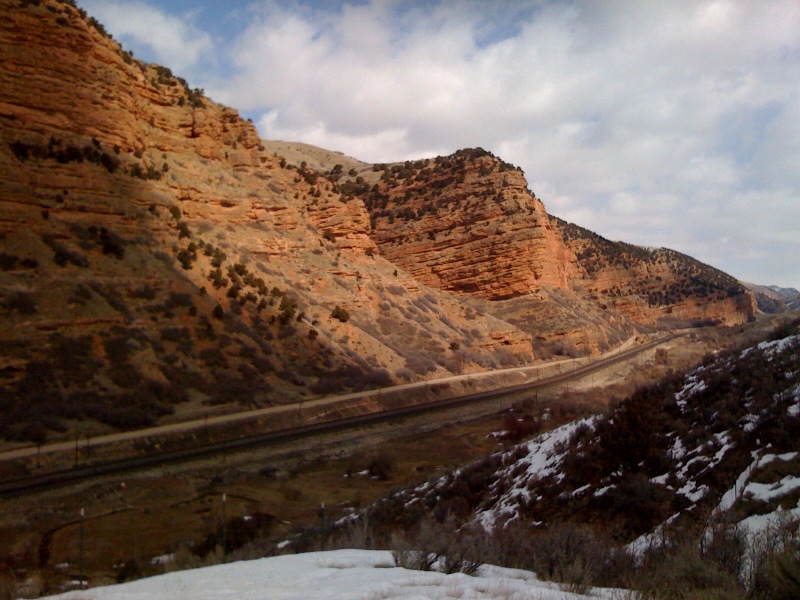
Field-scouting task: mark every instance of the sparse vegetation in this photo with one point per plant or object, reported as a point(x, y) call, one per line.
point(340, 314)
point(64, 152)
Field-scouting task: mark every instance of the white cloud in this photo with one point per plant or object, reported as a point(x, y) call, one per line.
point(173, 40)
point(659, 123)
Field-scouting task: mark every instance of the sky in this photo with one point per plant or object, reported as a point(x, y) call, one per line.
point(660, 123)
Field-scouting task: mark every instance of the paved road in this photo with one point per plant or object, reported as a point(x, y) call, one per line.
point(196, 424)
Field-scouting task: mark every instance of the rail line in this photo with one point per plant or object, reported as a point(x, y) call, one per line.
point(31, 483)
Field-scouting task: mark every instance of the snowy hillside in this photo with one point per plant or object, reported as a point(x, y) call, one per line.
point(667, 451)
point(339, 575)
point(700, 473)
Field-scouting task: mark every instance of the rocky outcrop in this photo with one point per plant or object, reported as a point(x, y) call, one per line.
point(657, 286)
point(467, 223)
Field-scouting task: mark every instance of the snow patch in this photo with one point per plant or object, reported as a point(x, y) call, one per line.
point(333, 575)
point(544, 458)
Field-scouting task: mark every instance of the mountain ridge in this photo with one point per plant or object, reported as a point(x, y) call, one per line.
point(158, 256)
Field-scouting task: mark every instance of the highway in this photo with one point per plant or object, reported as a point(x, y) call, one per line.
point(22, 485)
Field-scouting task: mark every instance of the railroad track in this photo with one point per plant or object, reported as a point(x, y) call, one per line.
point(31, 483)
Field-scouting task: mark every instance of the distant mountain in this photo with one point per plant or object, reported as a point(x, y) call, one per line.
point(790, 295)
point(157, 257)
point(788, 292)
point(774, 299)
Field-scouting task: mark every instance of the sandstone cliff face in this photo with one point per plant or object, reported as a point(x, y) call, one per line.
point(468, 224)
point(156, 256)
point(656, 286)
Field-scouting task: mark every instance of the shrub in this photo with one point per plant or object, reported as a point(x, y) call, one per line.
point(64, 256)
point(685, 573)
point(380, 467)
point(109, 161)
point(213, 357)
point(21, 302)
point(112, 243)
point(431, 543)
point(783, 575)
point(8, 586)
point(340, 313)
point(186, 258)
point(8, 261)
point(288, 307)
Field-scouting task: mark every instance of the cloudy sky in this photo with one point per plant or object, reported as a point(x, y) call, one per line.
point(673, 123)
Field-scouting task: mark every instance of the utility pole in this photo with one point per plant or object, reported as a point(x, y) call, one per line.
point(80, 550)
point(322, 527)
point(224, 525)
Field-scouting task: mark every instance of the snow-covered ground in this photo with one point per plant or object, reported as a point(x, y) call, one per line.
point(339, 574)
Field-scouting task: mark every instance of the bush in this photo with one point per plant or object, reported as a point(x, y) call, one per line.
point(433, 544)
point(685, 573)
point(783, 575)
point(64, 256)
point(288, 308)
point(8, 261)
point(380, 467)
point(340, 313)
point(112, 243)
point(186, 258)
point(8, 586)
point(213, 357)
point(21, 302)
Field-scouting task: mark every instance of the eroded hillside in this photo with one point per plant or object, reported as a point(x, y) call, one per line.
point(656, 285)
point(468, 223)
point(675, 454)
point(155, 254)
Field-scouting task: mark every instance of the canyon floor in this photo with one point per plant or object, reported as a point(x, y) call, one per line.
point(161, 511)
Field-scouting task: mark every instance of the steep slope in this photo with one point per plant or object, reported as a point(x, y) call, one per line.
point(467, 223)
point(656, 286)
point(689, 486)
point(774, 299)
point(156, 254)
point(677, 454)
